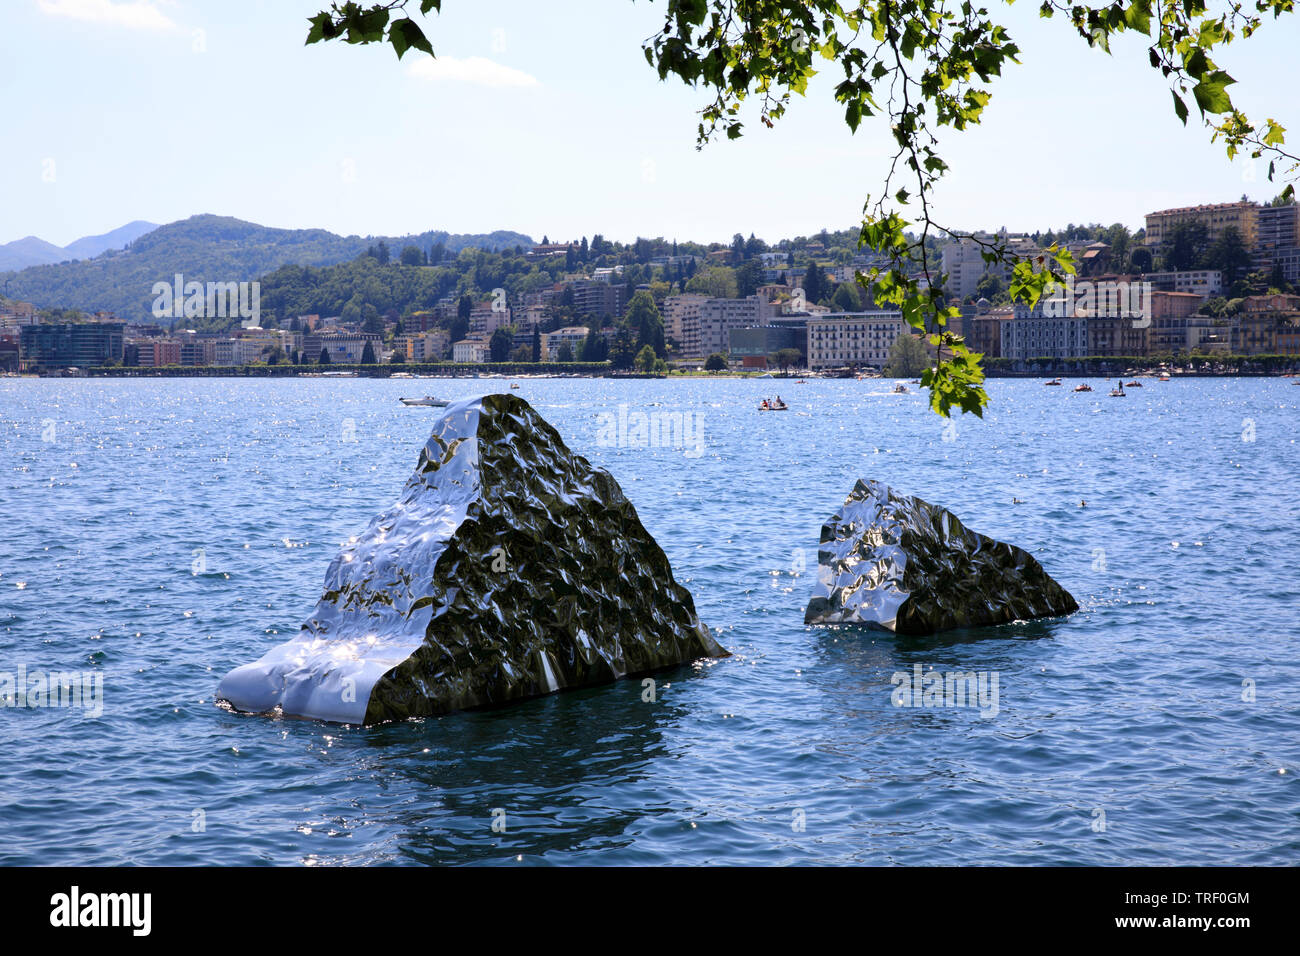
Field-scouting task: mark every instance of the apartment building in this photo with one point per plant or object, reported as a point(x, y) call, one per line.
point(1279, 240)
point(1288, 260)
point(573, 336)
point(1263, 325)
point(1042, 332)
point(1216, 217)
point(600, 300)
point(983, 330)
point(964, 264)
point(853, 339)
point(430, 346)
point(158, 353)
point(1114, 335)
point(486, 317)
point(526, 316)
point(345, 347)
point(1203, 282)
point(676, 308)
point(14, 315)
point(1170, 313)
point(707, 330)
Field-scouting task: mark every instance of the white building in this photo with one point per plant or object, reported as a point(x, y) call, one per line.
point(573, 336)
point(845, 339)
point(706, 330)
point(471, 351)
point(1206, 282)
point(238, 351)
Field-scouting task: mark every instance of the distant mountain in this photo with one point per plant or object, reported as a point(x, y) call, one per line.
point(37, 252)
point(87, 247)
point(207, 248)
point(31, 251)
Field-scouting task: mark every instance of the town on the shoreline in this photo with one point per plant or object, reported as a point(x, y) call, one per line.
point(1213, 286)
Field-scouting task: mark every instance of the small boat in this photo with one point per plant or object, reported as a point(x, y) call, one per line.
point(900, 389)
point(766, 406)
point(513, 385)
point(1164, 377)
point(1133, 384)
point(1055, 381)
point(1085, 387)
point(801, 382)
point(427, 400)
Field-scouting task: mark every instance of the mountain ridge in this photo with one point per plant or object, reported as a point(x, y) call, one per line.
point(35, 251)
point(203, 248)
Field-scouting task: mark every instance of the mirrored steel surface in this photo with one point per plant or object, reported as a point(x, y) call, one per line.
point(898, 563)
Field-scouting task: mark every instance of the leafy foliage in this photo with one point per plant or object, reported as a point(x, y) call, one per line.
point(907, 357)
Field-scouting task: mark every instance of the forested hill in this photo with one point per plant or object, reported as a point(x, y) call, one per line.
point(209, 249)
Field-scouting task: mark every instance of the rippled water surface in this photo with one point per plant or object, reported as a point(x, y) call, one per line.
point(162, 532)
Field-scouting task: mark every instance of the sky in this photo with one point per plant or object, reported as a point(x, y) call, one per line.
point(545, 118)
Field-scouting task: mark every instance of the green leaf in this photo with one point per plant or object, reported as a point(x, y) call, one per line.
point(1138, 17)
point(404, 34)
point(1180, 107)
point(322, 28)
point(853, 114)
point(1212, 97)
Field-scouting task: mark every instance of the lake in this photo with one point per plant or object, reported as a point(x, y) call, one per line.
point(157, 533)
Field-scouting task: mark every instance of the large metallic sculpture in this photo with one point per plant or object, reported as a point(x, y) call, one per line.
point(509, 568)
point(898, 563)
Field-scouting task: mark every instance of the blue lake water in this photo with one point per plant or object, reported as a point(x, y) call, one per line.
point(159, 533)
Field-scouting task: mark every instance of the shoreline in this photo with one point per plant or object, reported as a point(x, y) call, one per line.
point(1289, 370)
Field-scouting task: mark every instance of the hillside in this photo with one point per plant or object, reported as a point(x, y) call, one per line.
point(207, 248)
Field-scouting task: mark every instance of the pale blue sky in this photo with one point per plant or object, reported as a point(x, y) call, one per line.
point(545, 118)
